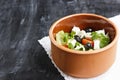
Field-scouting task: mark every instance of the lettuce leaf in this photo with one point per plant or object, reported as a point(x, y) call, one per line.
point(61, 37)
point(104, 39)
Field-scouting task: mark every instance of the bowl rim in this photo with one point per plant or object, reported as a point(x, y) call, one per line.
point(82, 52)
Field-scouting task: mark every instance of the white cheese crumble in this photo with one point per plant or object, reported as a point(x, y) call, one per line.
point(72, 41)
point(96, 44)
point(82, 33)
point(76, 30)
point(101, 31)
point(88, 35)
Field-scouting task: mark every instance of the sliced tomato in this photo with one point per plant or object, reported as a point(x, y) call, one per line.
point(85, 41)
point(88, 38)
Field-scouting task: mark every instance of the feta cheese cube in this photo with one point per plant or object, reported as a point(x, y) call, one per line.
point(88, 35)
point(72, 41)
point(101, 31)
point(76, 30)
point(96, 44)
point(82, 33)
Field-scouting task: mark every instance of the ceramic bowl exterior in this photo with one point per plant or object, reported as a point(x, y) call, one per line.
point(84, 64)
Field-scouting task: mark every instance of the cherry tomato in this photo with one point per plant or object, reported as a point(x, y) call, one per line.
point(86, 41)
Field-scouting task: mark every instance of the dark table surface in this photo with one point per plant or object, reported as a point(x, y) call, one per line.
point(23, 22)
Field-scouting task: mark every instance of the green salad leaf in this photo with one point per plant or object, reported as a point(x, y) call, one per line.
point(70, 45)
point(72, 34)
point(61, 37)
point(65, 37)
point(104, 39)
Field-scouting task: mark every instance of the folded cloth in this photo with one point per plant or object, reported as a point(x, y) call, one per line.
point(111, 74)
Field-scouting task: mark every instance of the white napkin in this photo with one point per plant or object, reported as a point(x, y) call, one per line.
point(112, 74)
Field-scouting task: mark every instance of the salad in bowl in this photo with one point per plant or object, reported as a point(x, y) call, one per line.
point(83, 40)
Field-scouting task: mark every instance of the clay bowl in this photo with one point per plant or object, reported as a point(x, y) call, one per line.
point(83, 64)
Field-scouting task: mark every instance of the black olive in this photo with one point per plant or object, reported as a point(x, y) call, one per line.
point(88, 30)
point(77, 38)
point(88, 46)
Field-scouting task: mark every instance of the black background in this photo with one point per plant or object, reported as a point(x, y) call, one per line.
point(23, 22)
